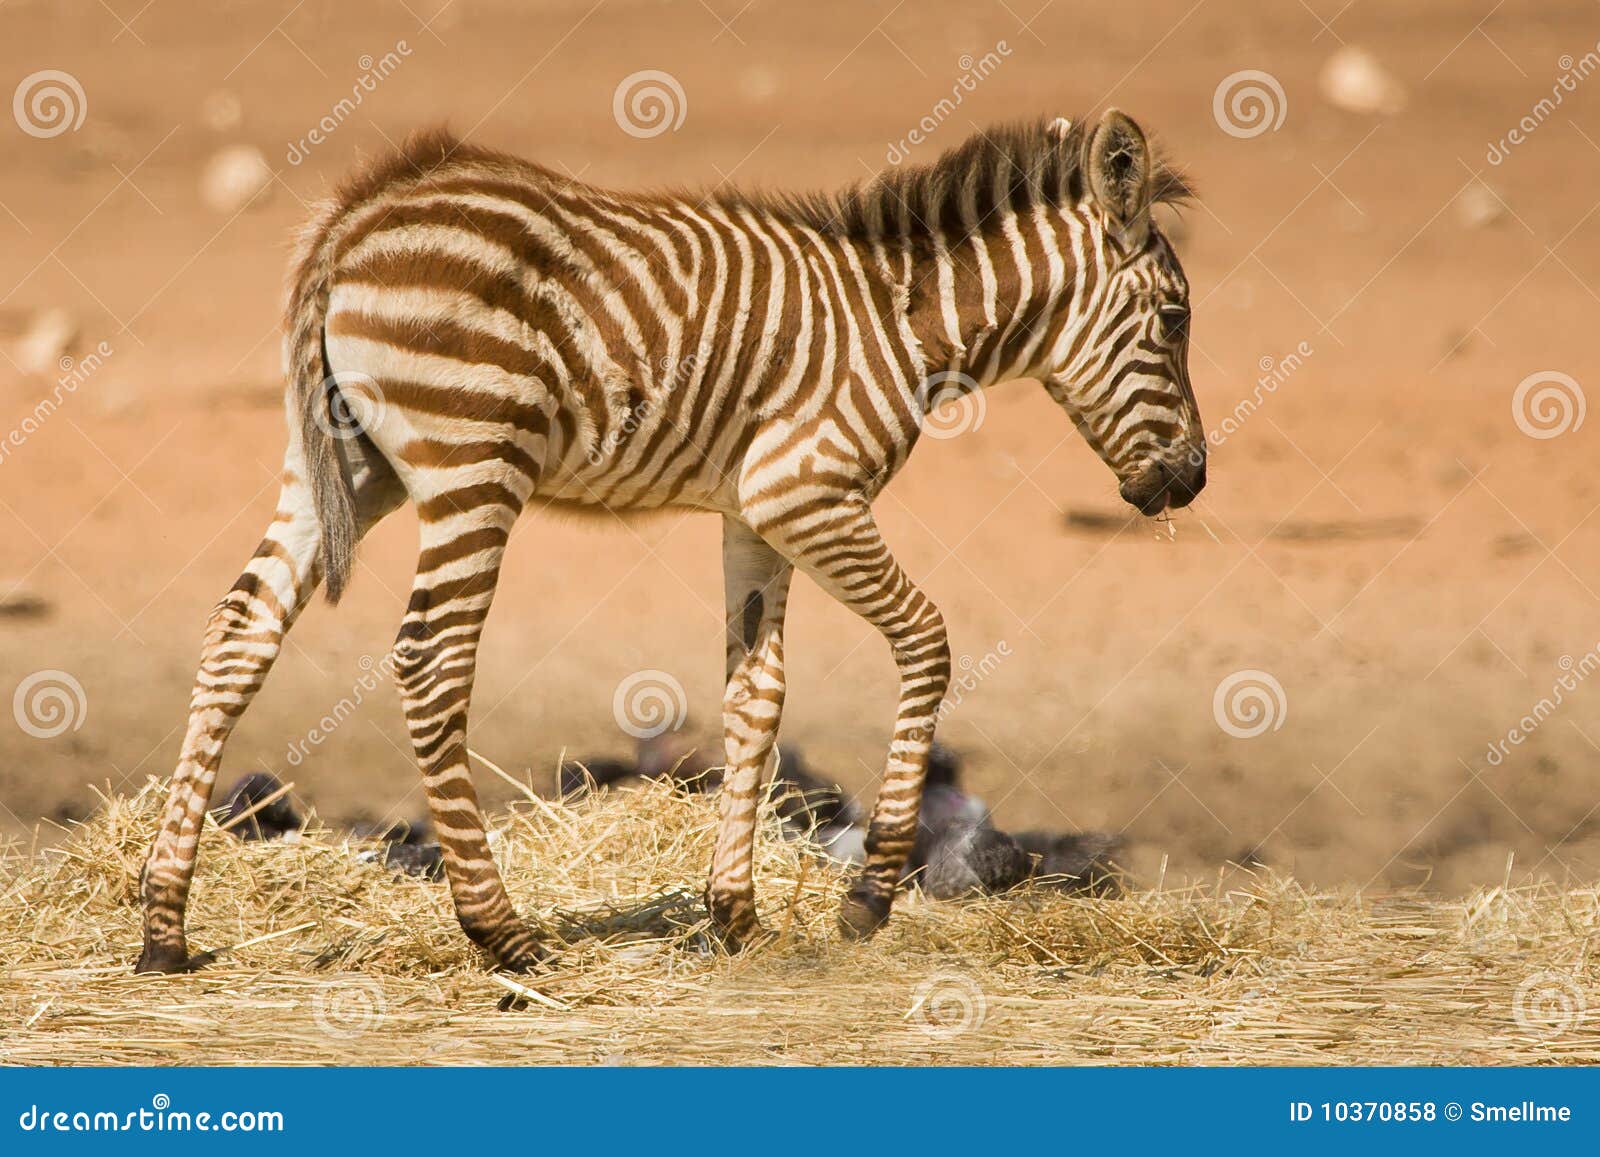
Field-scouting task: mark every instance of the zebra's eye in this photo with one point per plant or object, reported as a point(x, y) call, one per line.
point(1174, 322)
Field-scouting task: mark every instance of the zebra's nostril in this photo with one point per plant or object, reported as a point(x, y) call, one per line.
point(1185, 480)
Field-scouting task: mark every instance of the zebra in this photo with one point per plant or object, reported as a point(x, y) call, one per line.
point(477, 334)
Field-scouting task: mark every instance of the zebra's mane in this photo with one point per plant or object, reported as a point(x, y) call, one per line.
point(1017, 165)
point(1014, 165)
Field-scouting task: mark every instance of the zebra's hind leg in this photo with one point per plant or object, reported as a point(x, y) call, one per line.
point(848, 558)
point(756, 579)
point(243, 637)
point(464, 534)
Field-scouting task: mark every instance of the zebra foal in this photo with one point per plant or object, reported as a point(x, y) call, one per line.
point(477, 334)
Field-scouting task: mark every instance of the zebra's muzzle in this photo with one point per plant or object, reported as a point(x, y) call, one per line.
point(1163, 485)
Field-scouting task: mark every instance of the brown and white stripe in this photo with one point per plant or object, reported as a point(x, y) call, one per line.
point(479, 335)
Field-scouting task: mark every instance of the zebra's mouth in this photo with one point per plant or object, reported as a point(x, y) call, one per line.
point(1164, 486)
point(1155, 504)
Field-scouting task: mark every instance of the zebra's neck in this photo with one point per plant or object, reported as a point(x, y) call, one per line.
point(990, 305)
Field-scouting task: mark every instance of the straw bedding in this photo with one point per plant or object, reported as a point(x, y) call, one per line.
point(330, 960)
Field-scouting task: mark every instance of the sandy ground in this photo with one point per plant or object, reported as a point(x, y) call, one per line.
point(1380, 535)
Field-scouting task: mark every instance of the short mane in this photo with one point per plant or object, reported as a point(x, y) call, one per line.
point(1016, 165)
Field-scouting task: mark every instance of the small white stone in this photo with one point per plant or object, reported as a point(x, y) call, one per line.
point(1353, 80)
point(759, 84)
point(235, 177)
point(1478, 206)
point(45, 343)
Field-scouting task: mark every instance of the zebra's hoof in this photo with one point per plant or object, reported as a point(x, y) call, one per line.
point(511, 944)
point(158, 960)
point(525, 958)
point(746, 935)
point(862, 915)
point(736, 924)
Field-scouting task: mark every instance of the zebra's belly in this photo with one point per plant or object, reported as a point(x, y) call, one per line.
point(637, 473)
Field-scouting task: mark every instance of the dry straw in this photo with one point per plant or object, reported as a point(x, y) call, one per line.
point(330, 960)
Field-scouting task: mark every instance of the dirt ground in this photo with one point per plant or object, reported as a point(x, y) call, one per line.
point(1381, 535)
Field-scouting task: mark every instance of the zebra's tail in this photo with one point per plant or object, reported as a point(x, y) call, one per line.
point(313, 396)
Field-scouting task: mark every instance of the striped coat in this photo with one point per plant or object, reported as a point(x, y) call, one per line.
point(478, 335)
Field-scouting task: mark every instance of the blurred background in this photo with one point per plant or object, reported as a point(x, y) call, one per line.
point(1364, 656)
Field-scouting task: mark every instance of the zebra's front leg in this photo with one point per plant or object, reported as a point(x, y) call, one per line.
point(434, 662)
point(756, 580)
point(844, 552)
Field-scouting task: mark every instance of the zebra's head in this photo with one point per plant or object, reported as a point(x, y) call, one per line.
point(1122, 373)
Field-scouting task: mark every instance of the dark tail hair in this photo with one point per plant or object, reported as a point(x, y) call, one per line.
point(312, 396)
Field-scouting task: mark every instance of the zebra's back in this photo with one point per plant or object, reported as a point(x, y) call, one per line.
point(621, 352)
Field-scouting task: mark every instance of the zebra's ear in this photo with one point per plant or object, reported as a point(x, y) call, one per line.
point(1118, 164)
